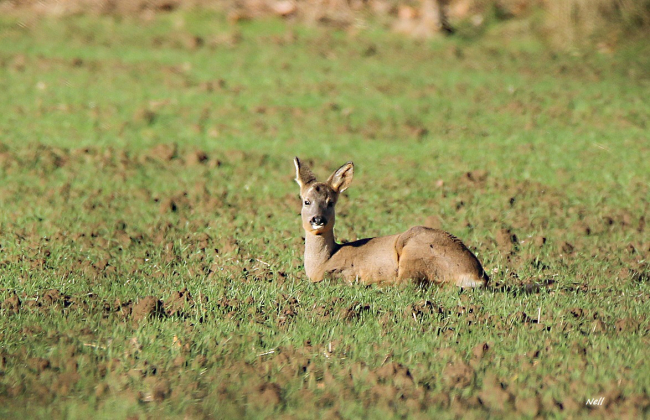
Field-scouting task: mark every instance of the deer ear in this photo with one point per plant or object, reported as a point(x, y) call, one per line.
point(304, 176)
point(340, 180)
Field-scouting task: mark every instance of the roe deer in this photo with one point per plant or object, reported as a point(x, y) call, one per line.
point(420, 254)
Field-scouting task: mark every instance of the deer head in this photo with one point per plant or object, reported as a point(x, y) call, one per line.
point(319, 198)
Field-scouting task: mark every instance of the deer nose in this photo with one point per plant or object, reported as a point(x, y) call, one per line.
point(318, 221)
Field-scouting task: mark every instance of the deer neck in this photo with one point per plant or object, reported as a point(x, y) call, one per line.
point(318, 250)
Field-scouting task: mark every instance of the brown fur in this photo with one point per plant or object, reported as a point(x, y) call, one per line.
point(420, 254)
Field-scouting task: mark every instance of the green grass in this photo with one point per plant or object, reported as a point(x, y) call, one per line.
point(92, 210)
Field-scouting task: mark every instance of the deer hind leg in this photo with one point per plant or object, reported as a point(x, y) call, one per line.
point(414, 259)
point(414, 268)
point(431, 256)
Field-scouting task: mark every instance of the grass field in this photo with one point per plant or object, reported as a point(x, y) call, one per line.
point(151, 247)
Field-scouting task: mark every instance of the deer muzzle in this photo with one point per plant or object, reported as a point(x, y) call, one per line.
point(317, 222)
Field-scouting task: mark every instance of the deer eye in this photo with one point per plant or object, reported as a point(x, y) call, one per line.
point(330, 204)
point(307, 202)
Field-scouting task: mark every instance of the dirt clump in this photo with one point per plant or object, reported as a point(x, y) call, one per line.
point(458, 375)
point(179, 303)
point(493, 395)
point(566, 248)
point(598, 326)
point(12, 303)
point(641, 275)
point(52, 298)
point(163, 152)
point(438, 399)
point(144, 115)
point(196, 157)
point(395, 373)
point(529, 407)
point(570, 405)
point(122, 309)
point(480, 350)
point(539, 241)
point(38, 364)
point(267, 394)
point(577, 312)
point(506, 240)
point(146, 308)
point(65, 382)
point(159, 389)
point(228, 246)
point(168, 205)
point(627, 325)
